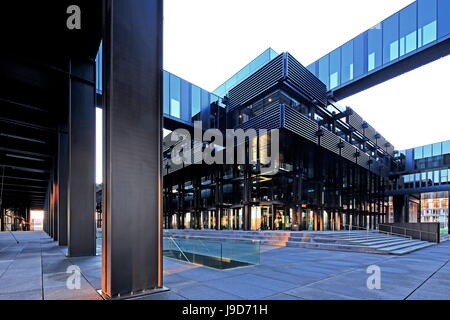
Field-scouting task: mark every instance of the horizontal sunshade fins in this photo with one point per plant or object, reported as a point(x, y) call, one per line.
point(301, 125)
point(257, 83)
point(330, 141)
point(270, 119)
point(356, 121)
point(363, 160)
point(348, 151)
point(305, 80)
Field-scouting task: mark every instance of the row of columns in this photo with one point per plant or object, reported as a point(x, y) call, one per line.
point(70, 204)
point(132, 186)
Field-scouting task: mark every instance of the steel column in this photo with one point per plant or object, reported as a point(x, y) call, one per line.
point(63, 187)
point(132, 192)
point(81, 219)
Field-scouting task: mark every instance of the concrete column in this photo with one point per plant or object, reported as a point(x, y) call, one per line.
point(81, 219)
point(132, 73)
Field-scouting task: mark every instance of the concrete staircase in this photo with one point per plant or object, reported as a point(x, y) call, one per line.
point(354, 241)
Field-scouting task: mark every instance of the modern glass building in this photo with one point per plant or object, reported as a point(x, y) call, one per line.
point(423, 177)
point(342, 172)
point(334, 178)
point(419, 26)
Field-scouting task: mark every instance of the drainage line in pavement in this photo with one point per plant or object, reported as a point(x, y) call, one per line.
point(426, 280)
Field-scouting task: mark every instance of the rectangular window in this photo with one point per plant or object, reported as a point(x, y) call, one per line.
point(436, 177)
point(408, 29)
point(443, 20)
point(186, 101)
point(175, 83)
point(335, 66)
point(418, 153)
point(358, 56)
point(312, 68)
point(427, 26)
point(324, 70)
point(444, 176)
point(347, 62)
point(374, 47)
point(196, 100)
point(427, 151)
point(437, 149)
point(166, 92)
point(390, 39)
point(446, 147)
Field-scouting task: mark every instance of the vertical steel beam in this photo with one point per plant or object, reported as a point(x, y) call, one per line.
point(132, 192)
point(55, 188)
point(63, 186)
point(81, 220)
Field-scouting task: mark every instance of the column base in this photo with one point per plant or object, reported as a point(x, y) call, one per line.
point(132, 295)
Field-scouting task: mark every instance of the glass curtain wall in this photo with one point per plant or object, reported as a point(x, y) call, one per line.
point(416, 26)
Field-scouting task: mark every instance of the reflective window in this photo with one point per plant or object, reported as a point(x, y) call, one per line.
point(166, 95)
point(437, 149)
point(347, 67)
point(443, 19)
point(408, 29)
point(186, 100)
point(335, 65)
point(175, 107)
point(427, 151)
point(427, 28)
point(418, 153)
point(324, 70)
point(358, 56)
point(436, 177)
point(374, 46)
point(390, 39)
point(245, 72)
point(196, 100)
point(446, 147)
point(98, 66)
point(312, 68)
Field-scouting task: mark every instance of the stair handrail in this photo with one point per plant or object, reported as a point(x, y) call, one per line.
point(171, 238)
point(209, 252)
point(367, 233)
point(406, 229)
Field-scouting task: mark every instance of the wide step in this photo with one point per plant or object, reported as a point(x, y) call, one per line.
point(356, 241)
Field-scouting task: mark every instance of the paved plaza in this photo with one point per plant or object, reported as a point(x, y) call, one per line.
point(36, 269)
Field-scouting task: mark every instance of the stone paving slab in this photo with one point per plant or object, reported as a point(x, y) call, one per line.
point(35, 269)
